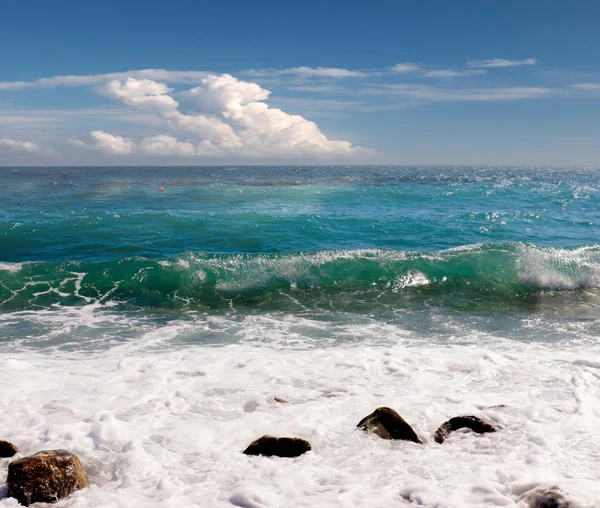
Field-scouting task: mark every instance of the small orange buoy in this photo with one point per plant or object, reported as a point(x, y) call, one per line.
point(161, 189)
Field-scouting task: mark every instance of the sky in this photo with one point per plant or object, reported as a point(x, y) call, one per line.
point(511, 82)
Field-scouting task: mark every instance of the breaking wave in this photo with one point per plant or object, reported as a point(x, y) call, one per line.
point(330, 279)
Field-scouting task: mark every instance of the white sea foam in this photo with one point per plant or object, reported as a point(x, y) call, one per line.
point(10, 267)
point(159, 425)
point(559, 269)
point(407, 280)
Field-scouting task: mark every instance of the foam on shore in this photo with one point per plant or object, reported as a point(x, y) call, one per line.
point(166, 426)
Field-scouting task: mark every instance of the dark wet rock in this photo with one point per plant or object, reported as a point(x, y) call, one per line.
point(278, 446)
point(551, 497)
point(45, 477)
point(388, 424)
point(280, 400)
point(7, 449)
point(461, 422)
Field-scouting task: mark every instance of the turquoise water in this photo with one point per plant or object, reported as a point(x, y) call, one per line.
point(443, 251)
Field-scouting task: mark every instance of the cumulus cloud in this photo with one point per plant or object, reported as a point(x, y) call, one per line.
point(225, 116)
point(13, 145)
point(141, 93)
point(107, 143)
point(218, 93)
point(231, 119)
point(500, 62)
point(166, 145)
point(150, 95)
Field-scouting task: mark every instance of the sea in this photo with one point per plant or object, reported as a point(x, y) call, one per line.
point(156, 320)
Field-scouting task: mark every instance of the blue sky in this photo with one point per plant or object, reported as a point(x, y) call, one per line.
point(398, 82)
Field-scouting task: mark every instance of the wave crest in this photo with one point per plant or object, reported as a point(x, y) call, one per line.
point(321, 279)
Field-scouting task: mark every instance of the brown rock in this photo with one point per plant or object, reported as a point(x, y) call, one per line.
point(45, 477)
point(7, 449)
point(280, 400)
point(551, 497)
point(278, 446)
point(460, 422)
point(388, 424)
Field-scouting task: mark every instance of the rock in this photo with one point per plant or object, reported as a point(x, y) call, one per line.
point(45, 477)
point(278, 446)
point(460, 422)
point(280, 400)
point(551, 497)
point(388, 424)
point(7, 449)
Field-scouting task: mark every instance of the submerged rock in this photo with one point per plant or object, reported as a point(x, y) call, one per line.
point(278, 446)
point(551, 497)
point(460, 422)
point(388, 424)
point(7, 449)
point(45, 477)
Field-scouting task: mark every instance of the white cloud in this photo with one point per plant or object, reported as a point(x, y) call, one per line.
point(411, 68)
point(189, 77)
point(14, 85)
point(141, 93)
point(36, 118)
point(317, 105)
point(443, 73)
point(425, 93)
point(500, 62)
point(224, 116)
point(318, 88)
point(195, 77)
point(106, 143)
point(149, 95)
point(586, 86)
point(14, 145)
point(166, 145)
point(406, 67)
point(325, 72)
point(313, 72)
point(181, 77)
point(233, 120)
point(217, 93)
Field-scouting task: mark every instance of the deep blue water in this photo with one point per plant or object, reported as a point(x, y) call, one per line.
point(390, 243)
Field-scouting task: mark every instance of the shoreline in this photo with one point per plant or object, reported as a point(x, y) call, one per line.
point(160, 427)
